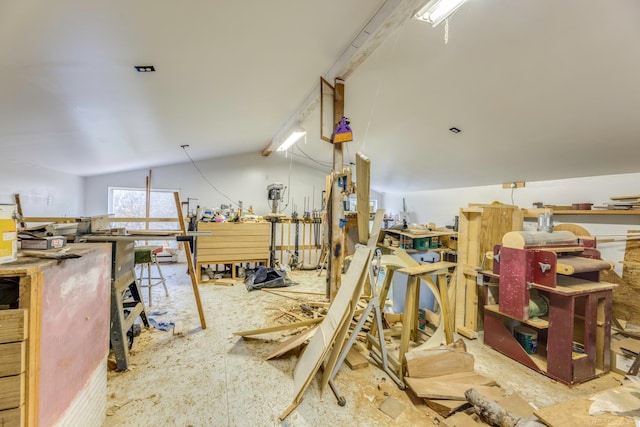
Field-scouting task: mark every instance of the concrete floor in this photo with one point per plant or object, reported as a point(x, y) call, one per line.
point(213, 378)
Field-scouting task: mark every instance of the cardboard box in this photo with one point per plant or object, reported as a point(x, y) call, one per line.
point(47, 242)
point(620, 362)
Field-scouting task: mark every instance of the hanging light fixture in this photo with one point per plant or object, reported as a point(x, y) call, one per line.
point(437, 11)
point(292, 138)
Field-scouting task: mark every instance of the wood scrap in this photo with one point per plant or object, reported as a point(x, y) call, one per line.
point(494, 414)
point(446, 407)
point(224, 282)
point(291, 343)
point(462, 419)
point(575, 413)
point(438, 361)
point(355, 360)
point(277, 328)
point(427, 388)
point(392, 407)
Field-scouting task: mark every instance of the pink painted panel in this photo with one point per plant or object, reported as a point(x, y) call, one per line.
point(75, 328)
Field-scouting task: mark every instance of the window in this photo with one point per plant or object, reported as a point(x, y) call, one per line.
point(131, 202)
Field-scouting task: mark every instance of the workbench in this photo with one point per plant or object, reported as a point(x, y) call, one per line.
point(60, 312)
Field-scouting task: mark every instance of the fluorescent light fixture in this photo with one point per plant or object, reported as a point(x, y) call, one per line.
point(437, 11)
point(294, 136)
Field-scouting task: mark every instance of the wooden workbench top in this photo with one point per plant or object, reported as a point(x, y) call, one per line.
point(27, 265)
point(568, 285)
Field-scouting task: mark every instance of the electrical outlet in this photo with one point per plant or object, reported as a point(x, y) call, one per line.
point(515, 184)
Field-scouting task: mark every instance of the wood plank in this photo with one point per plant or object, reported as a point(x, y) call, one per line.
point(363, 175)
point(355, 360)
point(320, 344)
point(437, 362)
point(462, 419)
point(277, 328)
point(446, 407)
point(427, 268)
point(12, 358)
point(190, 263)
point(12, 391)
point(392, 407)
point(12, 417)
point(463, 377)
point(13, 325)
point(427, 388)
point(291, 343)
point(575, 413)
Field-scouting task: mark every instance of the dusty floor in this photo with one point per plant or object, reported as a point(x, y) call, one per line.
point(213, 378)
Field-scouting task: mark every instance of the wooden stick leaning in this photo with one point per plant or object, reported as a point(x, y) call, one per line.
point(187, 250)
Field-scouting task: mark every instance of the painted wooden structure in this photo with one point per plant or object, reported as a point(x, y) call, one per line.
point(65, 316)
point(574, 337)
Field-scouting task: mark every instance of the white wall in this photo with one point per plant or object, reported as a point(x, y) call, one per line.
point(243, 177)
point(43, 192)
point(441, 206)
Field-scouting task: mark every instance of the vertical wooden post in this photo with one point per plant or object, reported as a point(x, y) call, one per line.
point(336, 232)
point(187, 249)
point(148, 200)
point(19, 209)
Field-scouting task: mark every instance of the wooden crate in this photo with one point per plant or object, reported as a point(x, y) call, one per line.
point(232, 243)
point(480, 228)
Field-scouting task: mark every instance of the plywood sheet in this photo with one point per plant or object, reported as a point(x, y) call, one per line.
point(438, 361)
point(428, 388)
point(321, 342)
point(575, 413)
point(291, 343)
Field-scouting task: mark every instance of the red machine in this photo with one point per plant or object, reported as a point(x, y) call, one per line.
point(550, 282)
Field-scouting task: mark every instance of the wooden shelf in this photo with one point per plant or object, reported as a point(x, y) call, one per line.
point(411, 251)
point(533, 213)
point(538, 324)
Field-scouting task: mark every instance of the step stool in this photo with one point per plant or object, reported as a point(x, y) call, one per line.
point(144, 257)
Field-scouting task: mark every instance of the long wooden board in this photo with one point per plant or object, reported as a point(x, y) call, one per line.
point(320, 345)
point(424, 387)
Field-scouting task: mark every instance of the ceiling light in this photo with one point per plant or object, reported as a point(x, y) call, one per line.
point(437, 11)
point(145, 68)
point(294, 136)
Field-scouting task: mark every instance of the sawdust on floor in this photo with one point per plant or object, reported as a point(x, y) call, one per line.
point(211, 377)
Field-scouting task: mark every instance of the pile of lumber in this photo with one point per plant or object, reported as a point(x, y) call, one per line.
point(444, 377)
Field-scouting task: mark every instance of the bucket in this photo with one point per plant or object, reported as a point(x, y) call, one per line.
point(8, 234)
point(527, 337)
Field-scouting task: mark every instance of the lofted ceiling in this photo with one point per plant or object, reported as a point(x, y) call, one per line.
point(541, 89)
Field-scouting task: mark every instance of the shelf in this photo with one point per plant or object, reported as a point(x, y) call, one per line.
point(533, 213)
point(420, 235)
point(411, 251)
point(538, 324)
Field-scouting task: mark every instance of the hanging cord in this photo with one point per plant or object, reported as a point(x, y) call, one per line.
point(446, 31)
point(184, 147)
point(305, 155)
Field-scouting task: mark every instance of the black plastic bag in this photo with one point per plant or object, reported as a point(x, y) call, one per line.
point(266, 277)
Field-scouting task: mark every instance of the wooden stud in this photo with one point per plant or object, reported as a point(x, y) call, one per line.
point(192, 274)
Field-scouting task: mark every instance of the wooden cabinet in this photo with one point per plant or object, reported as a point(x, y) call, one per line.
point(54, 330)
point(232, 243)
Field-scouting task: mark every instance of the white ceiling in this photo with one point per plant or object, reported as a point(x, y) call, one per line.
point(541, 89)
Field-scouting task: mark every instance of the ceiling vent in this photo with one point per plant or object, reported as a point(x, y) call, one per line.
point(145, 68)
